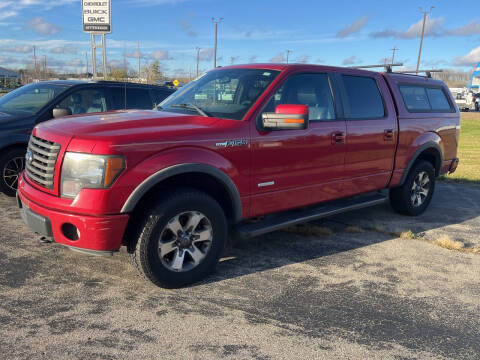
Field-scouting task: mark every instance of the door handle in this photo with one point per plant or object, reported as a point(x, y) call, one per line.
point(338, 138)
point(388, 135)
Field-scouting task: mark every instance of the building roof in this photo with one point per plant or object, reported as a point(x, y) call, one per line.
point(8, 73)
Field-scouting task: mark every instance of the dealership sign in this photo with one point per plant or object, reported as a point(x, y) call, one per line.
point(97, 16)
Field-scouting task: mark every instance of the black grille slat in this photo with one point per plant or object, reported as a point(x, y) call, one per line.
point(41, 169)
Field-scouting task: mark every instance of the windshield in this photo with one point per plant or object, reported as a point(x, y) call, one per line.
point(28, 99)
point(227, 93)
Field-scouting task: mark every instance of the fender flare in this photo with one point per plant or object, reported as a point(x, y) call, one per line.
point(168, 172)
point(416, 154)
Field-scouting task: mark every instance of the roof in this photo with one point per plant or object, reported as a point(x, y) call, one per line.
point(9, 73)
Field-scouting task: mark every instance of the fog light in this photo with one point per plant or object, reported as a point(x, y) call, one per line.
point(70, 231)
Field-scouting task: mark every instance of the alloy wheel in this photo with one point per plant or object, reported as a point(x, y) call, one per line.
point(420, 189)
point(185, 241)
point(12, 170)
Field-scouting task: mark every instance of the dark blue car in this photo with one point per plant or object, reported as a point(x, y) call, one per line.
point(25, 107)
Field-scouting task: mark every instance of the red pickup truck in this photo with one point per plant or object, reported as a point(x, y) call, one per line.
point(282, 144)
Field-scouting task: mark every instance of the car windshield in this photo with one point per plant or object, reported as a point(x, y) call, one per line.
point(223, 93)
point(28, 99)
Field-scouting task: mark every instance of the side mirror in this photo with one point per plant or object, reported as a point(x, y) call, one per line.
point(61, 112)
point(286, 117)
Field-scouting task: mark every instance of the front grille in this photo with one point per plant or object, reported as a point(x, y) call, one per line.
point(41, 158)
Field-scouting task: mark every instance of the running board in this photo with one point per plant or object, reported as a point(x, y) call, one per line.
point(292, 217)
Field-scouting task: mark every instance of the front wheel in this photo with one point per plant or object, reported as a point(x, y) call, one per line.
point(414, 196)
point(180, 239)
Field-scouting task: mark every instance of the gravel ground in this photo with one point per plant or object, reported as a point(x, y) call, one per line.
point(280, 296)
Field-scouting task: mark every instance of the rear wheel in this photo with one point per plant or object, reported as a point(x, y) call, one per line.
point(180, 239)
point(414, 196)
point(12, 164)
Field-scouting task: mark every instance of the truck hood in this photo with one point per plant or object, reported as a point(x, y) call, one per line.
point(123, 126)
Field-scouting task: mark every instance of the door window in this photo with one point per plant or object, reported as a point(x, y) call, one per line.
point(312, 90)
point(117, 97)
point(85, 101)
point(363, 98)
point(139, 99)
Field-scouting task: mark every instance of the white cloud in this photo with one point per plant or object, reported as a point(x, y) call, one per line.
point(64, 50)
point(160, 55)
point(472, 28)
point(468, 60)
point(433, 27)
point(42, 27)
point(16, 7)
point(20, 49)
point(353, 28)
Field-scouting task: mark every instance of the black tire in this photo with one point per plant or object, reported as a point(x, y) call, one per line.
point(404, 199)
point(476, 106)
point(144, 246)
point(13, 158)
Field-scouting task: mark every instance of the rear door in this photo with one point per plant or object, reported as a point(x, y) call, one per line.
point(371, 131)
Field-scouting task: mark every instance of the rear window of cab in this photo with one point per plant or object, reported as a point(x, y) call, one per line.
point(420, 98)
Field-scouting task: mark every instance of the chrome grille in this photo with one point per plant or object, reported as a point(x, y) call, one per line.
point(41, 159)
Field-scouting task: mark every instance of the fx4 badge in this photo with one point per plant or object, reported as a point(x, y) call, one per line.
point(232, 143)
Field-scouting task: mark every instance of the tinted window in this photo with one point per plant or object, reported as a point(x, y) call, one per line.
point(420, 98)
point(159, 95)
point(28, 99)
point(117, 96)
point(85, 101)
point(139, 99)
point(364, 100)
point(306, 89)
point(438, 100)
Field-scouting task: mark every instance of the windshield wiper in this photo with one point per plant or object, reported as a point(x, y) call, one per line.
point(192, 107)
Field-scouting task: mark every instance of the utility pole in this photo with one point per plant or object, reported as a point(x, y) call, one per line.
point(288, 53)
point(35, 61)
point(393, 54)
point(425, 13)
point(45, 67)
point(139, 64)
point(216, 22)
point(198, 59)
point(86, 68)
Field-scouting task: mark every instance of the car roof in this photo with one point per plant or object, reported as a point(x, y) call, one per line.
point(102, 82)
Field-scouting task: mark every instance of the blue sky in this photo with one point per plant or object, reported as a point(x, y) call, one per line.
point(335, 32)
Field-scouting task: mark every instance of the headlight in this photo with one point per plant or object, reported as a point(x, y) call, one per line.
point(86, 171)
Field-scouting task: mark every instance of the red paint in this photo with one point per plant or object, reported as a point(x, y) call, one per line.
point(277, 170)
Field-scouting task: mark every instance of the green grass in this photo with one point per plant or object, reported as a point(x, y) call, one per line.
point(468, 170)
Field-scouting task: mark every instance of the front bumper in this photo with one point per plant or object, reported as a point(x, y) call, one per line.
point(81, 232)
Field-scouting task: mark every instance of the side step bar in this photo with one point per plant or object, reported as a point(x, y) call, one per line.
point(292, 217)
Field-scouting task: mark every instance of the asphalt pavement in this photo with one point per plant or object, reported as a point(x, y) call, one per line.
point(348, 295)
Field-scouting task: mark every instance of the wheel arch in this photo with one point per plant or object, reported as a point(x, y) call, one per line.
point(203, 177)
point(431, 152)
